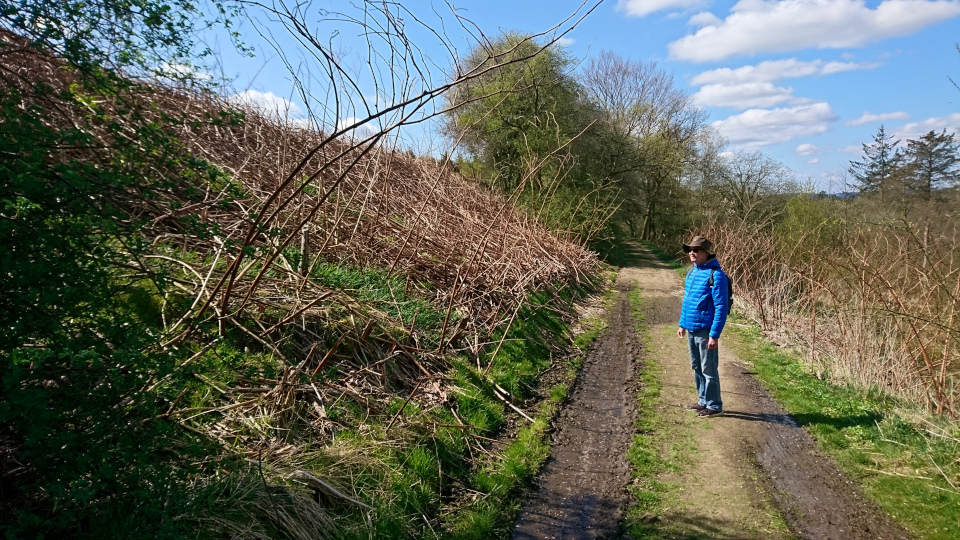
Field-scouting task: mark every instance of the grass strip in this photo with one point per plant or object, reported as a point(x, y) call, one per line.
point(904, 459)
point(652, 453)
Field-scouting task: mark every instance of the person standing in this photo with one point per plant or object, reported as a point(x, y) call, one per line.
point(706, 303)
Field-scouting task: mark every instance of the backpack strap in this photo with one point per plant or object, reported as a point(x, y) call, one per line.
point(709, 279)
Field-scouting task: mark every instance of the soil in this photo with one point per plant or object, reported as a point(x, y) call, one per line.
point(582, 487)
point(750, 473)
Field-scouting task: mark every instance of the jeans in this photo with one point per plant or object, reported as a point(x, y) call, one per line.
point(704, 362)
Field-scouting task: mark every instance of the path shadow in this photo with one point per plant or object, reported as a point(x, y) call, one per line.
point(771, 418)
point(634, 254)
point(838, 422)
point(806, 419)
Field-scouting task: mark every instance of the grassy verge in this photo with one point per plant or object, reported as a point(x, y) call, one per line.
point(905, 460)
point(499, 483)
point(657, 449)
point(415, 468)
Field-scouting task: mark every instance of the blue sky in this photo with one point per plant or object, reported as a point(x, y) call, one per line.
point(804, 81)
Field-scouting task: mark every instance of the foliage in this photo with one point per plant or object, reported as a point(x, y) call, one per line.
point(80, 326)
point(917, 171)
point(932, 162)
point(809, 224)
point(878, 171)
point(105, 37)
point(750, 188)
point(522, 123)
point(654, 129)
point(524, 106)
point(130, 415)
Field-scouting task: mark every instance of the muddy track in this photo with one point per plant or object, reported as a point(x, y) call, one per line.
point(581, 491)
point(745, 474)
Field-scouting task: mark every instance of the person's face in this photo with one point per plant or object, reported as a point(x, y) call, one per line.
point(698, 255)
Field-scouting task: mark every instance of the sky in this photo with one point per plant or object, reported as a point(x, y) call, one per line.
point(804, 81)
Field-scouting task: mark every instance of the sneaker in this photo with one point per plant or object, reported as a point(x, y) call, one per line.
point(695, 407)
point(706, 413)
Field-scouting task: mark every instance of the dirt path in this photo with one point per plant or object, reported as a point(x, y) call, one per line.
point(752, 473)
point(582, 487)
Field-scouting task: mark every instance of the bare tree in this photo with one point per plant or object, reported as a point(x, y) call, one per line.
point(657, 125)
point(749, 186)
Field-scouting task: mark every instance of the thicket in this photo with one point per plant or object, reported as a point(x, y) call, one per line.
point(872, 293)
point(867, 281)
point(216, 321)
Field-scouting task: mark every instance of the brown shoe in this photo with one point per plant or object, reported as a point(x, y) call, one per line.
point(695, 407)
point(707, 413)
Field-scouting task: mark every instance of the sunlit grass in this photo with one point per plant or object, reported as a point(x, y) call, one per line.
point(907, 461)
point(647, 456)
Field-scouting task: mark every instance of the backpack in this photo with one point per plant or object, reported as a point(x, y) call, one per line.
point(710, 283)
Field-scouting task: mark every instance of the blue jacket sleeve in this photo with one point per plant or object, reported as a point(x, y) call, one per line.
point(721, 303)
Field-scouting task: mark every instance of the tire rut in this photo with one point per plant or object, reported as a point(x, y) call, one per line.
point(582, 488)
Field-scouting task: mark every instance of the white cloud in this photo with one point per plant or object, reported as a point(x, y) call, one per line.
point(743, 96)
point(267, 103)
point(915, 130)
point(855, 149)
point(642, 8)
point(774, 26)
point(760, 127)
point(775, 70)
point(839, 67)
point(813, 161)
point(704, 18)
point(752, 86)
point(867, 118)
point(807, 149)
point(565, 41)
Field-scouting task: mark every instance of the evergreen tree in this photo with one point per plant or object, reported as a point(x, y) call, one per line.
point(880, 167)
point(933, 162)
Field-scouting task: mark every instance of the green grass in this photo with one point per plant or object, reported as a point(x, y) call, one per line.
point(419, 476)
point(672, 261)
point(902, 457)
point(657, 448)
point(501, 480)
point(412, 475)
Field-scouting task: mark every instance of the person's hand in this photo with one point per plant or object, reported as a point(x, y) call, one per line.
point(713, 343)
point(681, 332)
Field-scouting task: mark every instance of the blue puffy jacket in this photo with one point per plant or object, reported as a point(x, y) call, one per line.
point(705, 306)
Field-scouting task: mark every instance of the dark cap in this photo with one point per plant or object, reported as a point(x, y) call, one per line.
point(700, 242)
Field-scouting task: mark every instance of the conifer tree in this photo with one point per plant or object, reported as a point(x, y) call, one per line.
point(933, 162)
point(880, 167)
